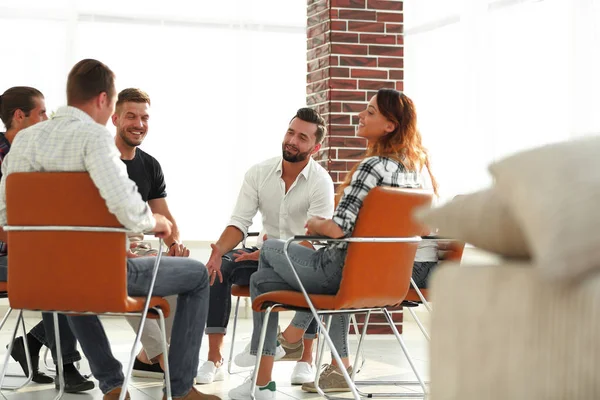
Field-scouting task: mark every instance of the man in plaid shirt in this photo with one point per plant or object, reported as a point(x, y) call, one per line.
point(20, 108)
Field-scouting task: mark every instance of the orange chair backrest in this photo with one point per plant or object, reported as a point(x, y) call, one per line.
point(378, 274)
point(63, 270)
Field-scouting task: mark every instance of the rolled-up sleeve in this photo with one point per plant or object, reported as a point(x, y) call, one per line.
point(322, 199)
point(247, 203)
point(365, 178)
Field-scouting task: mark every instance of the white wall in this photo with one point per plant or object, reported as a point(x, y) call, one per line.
point(225, 78)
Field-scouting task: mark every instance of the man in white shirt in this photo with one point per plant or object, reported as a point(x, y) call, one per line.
point(287, 190)
point(76, 139)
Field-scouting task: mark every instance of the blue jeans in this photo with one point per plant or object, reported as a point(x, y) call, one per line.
point(320, 272)
point(44, 331)
point(238, 273)
point(180, 276)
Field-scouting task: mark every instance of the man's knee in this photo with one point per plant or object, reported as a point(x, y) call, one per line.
point(227, 268)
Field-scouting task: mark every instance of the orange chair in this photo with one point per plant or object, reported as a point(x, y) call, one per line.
point(376, 273)
point(54, 278)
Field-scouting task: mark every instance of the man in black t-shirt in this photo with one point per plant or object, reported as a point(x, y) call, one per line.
point(131, 120)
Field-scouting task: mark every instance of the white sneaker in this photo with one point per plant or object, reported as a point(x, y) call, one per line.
point(209, 373)
point(303, 373)
point(245, 359)
point(242, 392)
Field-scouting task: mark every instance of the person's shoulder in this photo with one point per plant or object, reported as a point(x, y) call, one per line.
point(373, 162)
point(319, 173)
point(265, 166)
point(146, 157)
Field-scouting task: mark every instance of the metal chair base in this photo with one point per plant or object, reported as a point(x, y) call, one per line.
point(235, 320)
point(20, 323)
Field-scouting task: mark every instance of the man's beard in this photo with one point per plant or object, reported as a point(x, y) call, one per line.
point(294, 158)
point(124, 137)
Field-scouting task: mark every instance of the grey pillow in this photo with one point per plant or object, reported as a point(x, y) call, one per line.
point(554, 193)
point(481, 219)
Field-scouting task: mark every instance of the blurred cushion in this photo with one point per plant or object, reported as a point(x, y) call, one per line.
point(554, 193)
point(482, 219)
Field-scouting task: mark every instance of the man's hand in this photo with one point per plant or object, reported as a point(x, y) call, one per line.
point(241, 255)
point(312, 225)
point(131, 255)
point(214, 264)
point(163, 226)
point(178, 250)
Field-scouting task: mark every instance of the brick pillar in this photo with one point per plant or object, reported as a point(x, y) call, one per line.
point(354, 48)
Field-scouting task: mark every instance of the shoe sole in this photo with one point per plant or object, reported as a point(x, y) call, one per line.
point(300, 381)
point(148, 374)
point(329, 390)
point(83, 387)
point(293, 356)
point(207, 381)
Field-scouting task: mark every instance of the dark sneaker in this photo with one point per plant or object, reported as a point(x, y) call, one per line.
point(143, 370)
point(18, 354)
point(74, 382)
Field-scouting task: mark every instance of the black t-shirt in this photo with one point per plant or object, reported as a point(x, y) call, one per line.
point(147, 174)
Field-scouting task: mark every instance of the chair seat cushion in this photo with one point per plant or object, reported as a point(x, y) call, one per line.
point(294, 300)
point(136, 304)
point(240, 291)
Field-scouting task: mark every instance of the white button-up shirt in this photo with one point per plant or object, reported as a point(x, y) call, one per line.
point(73, 141)
point(283, 214)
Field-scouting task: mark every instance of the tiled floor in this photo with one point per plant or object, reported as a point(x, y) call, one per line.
point(384, 360)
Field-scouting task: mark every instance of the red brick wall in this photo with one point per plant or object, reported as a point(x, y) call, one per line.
point(354, 48)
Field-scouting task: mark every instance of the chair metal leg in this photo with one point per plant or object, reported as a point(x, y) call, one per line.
point(336, 357)
point(59, 361)
point(359, 350)
point(261, 344)
point(20, 322)
point(320, 357)
point(29, 376)
point(49, 366)
point(163, 331)
point(320, 348)
point(235, 319)
point(420, 294)
point(5, 317)
point(418, 321)
point(392, 383)
point(144, 315)
point(404, 349)
point(132, 356)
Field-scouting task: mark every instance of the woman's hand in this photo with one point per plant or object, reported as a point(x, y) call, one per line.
point(312, 226)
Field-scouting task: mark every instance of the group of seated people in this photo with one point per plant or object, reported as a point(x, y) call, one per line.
point(293, 193)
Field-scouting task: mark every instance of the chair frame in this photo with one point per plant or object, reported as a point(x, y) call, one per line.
point(358, 395)
point(143, 314)
point(236, 313)
point(409, 307)
point(29, 376)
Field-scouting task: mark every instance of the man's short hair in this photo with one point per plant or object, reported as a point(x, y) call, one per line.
point(17, 98)
point(307, 114)
point(88, 79)
point(133, 95)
